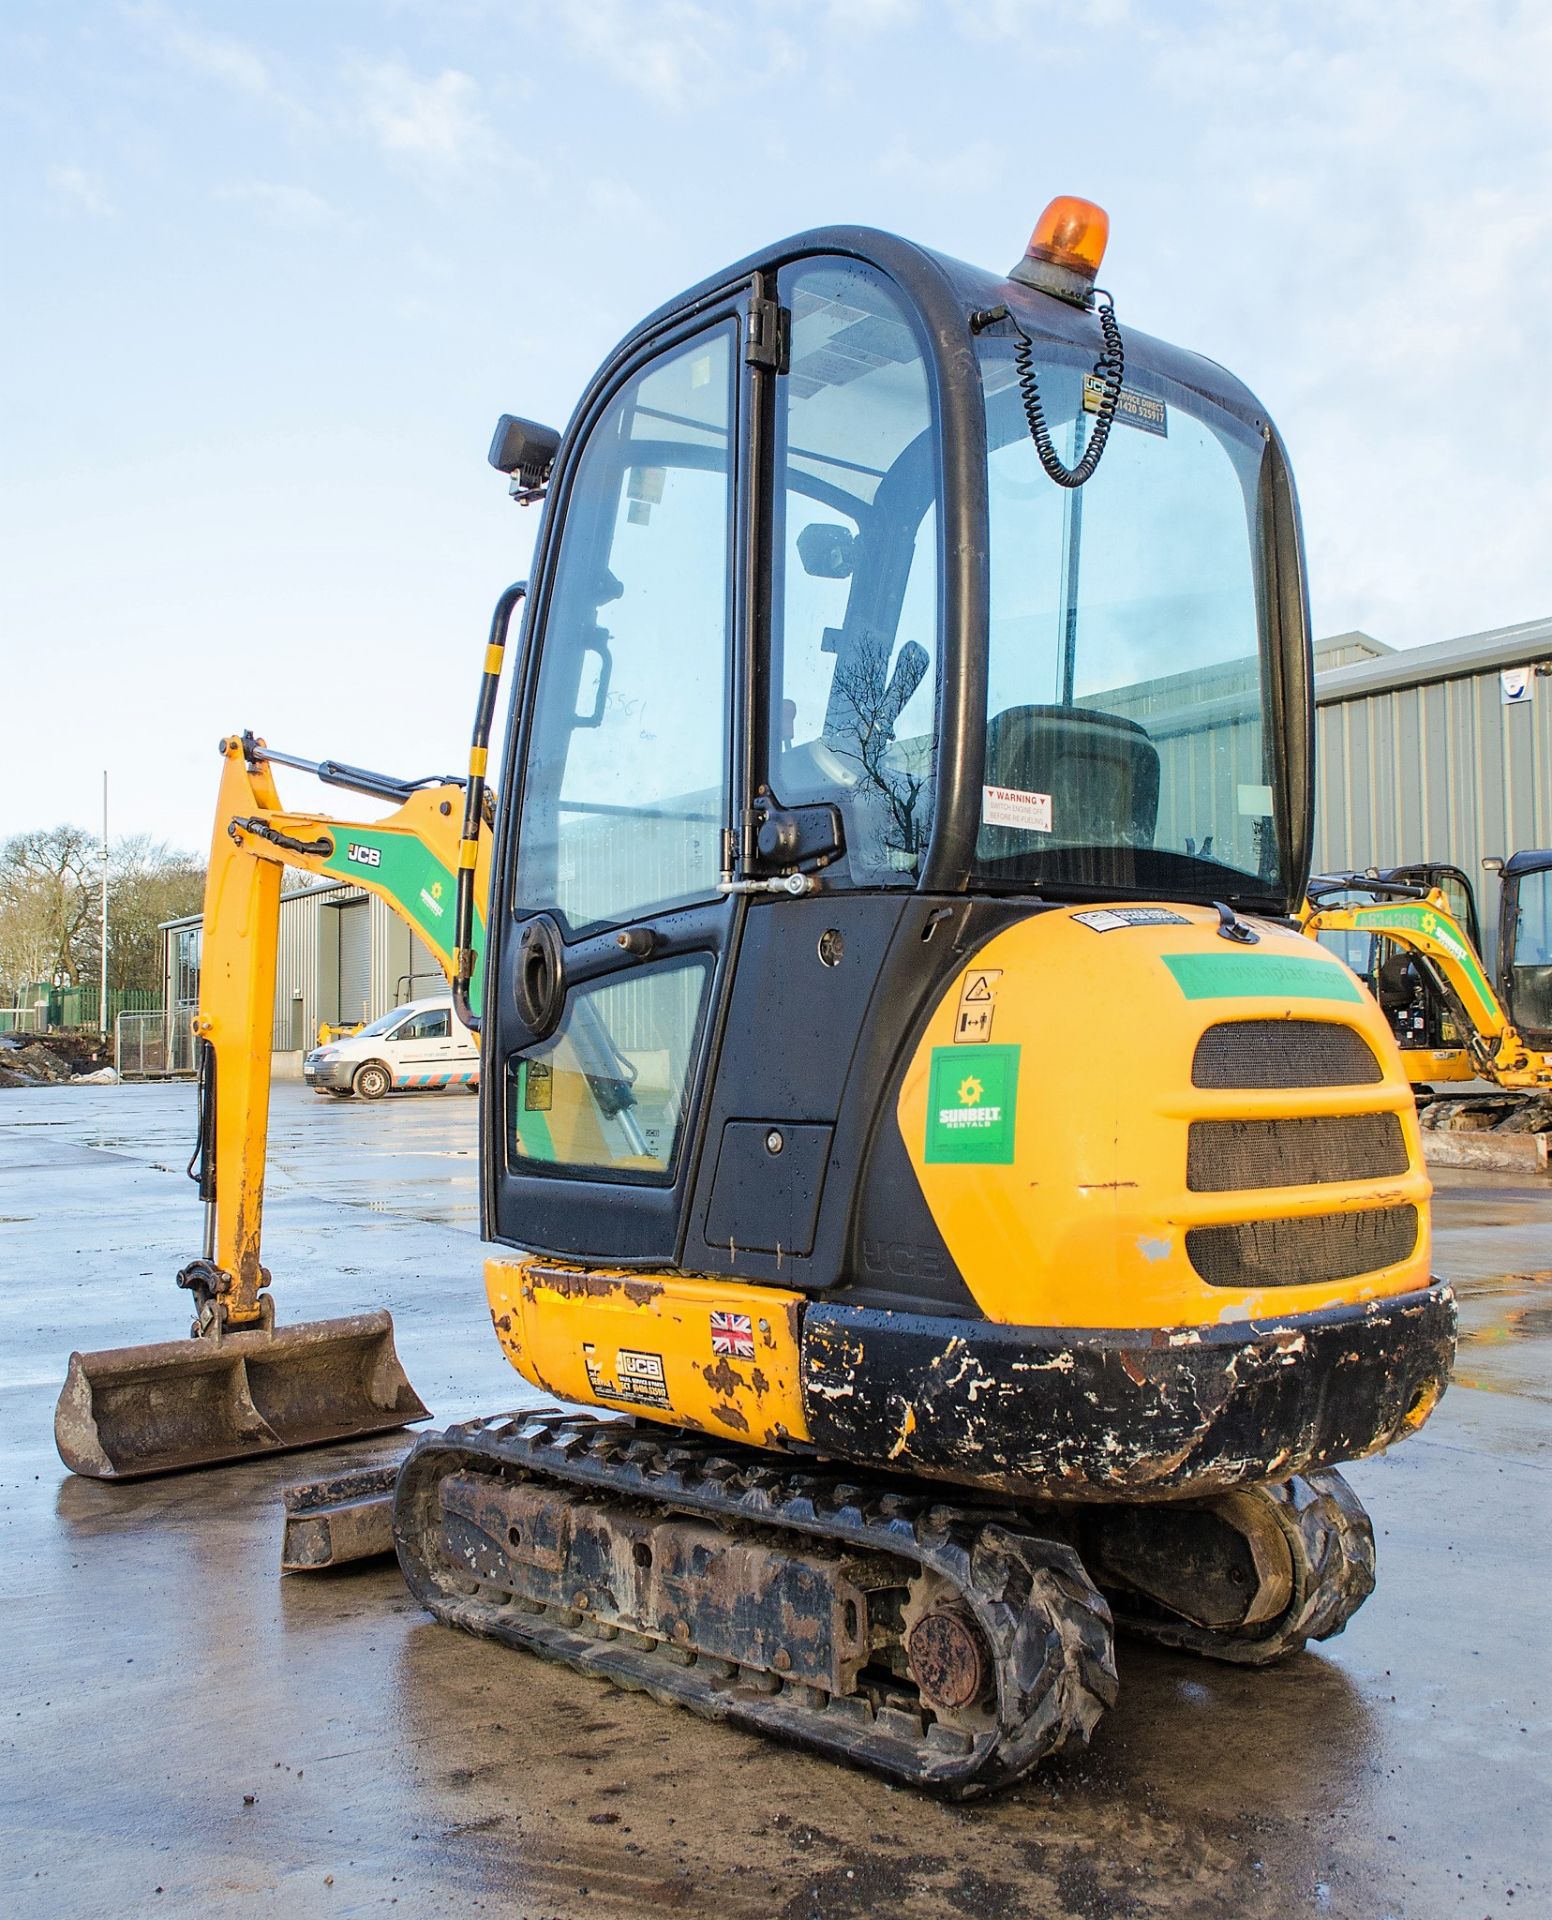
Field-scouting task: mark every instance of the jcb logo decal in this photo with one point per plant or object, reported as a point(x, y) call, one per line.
point(364, 856)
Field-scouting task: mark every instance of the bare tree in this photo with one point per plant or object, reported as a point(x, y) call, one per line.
point(865, 704)
point(47, 906)
point(148, 882)
point(50, 901)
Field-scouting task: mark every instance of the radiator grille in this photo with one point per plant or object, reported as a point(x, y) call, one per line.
point(1223, 1156)
point(1302, 1251)
point(1283, 1053)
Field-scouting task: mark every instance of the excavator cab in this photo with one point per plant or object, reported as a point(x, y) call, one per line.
point(820, 669)
point(1525, 945)
point(1421, 1021)
point(1424, 1024)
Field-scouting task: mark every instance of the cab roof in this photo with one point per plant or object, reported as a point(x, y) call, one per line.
point(947, 291)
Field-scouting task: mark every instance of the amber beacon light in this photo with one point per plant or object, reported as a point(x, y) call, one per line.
point(1065, 249)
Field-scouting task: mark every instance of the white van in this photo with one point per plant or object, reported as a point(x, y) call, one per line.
point(421, 1044)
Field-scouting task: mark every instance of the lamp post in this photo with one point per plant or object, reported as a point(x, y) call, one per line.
point(102, 995)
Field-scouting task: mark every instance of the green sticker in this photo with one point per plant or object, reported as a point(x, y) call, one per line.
point(972, 1097)
point(1273, 976)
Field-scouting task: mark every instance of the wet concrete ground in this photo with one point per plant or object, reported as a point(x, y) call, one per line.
point(184, 1733)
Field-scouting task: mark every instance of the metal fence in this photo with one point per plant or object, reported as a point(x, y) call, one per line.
point(153, 1045)
point(18, 1019)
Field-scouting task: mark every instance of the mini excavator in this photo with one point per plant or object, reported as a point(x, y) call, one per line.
point(1410, 933)
point(969, 1214)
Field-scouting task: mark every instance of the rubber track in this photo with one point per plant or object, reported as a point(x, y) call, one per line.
point(1332, 1542)
point(1047, 1625)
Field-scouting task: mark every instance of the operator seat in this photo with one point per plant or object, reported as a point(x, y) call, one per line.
point(1101, 772)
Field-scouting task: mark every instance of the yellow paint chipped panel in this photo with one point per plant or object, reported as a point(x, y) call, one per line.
point(646, 1343)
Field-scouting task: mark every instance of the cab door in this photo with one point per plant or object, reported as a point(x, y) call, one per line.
point(611, 934)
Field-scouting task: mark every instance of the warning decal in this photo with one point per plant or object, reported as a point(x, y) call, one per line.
point(977, 1005)
point(972, 1103)
point(1108, 919)
point(638, 1377)
point(538, 1086)
point(1013, 807)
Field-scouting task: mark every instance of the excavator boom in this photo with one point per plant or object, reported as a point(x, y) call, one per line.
point(241, 1386)
point(1430, 933)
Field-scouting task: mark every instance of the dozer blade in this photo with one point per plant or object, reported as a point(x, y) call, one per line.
point(346, 1517)
point(133, 1411)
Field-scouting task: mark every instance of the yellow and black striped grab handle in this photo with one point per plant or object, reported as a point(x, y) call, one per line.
point(474, 803)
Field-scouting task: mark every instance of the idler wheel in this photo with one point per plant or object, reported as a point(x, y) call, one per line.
point(948, 1659)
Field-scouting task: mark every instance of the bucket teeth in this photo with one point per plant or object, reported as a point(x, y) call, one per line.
point(129, 1412)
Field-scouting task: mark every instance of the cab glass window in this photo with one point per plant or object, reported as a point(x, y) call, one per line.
point(855, 614)
point(1129, 744)
point(623, 797)
point(607, 1090)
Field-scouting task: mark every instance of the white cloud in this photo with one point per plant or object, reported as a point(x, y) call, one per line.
point(678, 52)
point(929, 168)
point(230, 62)
point(79, 189)
point(1353, 209)
point(433, 123)
point(282, 205)
point(617, 203)
point(869, 16)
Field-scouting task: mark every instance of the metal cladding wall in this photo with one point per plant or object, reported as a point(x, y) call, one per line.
point(307, 965)
point(1418, 757)
point(299, 969)
point(309, 986)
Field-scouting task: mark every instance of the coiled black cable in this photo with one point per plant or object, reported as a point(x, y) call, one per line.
point(1109, 370)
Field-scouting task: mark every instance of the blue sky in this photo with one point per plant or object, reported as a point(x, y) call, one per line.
point(270, 272)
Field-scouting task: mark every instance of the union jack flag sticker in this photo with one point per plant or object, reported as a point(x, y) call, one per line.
point(733, 1334)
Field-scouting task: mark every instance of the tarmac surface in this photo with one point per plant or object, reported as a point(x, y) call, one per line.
point(185, 1733)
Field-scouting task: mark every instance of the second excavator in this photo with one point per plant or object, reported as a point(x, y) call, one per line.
point(1411, 934)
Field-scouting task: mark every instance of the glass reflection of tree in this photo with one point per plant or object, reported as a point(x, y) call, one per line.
point(865, 704)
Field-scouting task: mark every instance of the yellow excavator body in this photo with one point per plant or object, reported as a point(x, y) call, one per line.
point(1146, 1198)
point(911, 1120)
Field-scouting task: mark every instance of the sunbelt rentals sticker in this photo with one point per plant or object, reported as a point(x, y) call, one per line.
point(971, 1105)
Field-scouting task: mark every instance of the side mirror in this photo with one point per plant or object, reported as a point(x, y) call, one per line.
point(826, 552)
point(523, 449)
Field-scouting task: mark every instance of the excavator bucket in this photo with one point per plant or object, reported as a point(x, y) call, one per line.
point(132, 1411)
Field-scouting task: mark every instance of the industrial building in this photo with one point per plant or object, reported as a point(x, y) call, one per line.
point(344, 956)
point(1439, 753)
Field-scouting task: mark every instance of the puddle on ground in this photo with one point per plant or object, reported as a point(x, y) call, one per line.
point(1512, 1317)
